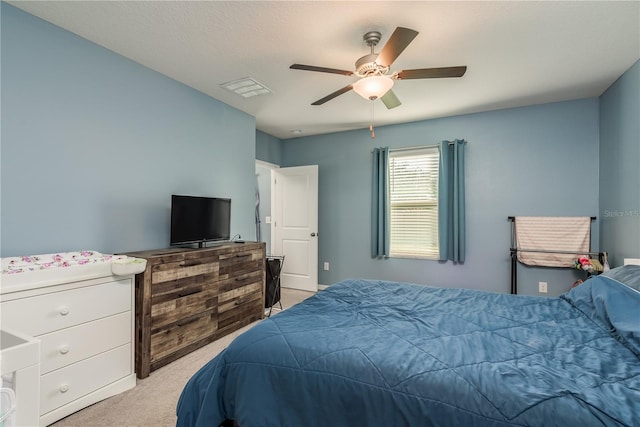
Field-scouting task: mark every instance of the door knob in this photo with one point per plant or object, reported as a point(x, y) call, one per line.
point(313, 234)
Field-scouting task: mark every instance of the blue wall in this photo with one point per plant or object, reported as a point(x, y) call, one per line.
point(539, 160)
point(93, 146)
point(620, 167)
point(268, 148)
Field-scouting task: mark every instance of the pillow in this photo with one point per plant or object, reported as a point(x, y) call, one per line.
point(627, 274)
point(612, 305)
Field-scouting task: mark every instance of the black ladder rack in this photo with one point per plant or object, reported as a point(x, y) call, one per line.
point(514, 250)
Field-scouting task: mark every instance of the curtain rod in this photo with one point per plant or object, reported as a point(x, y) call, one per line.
point(418, 147)
point(415, 148)
point(512, 218)
point(515, 250)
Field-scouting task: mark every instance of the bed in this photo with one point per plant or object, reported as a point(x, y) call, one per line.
point(378, 353)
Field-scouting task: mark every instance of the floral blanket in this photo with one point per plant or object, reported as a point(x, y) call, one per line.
point(21, 264)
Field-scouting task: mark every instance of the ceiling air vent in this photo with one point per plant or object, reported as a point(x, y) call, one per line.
point(246, 87)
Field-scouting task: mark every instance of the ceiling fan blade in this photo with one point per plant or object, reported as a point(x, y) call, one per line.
point(390, 100)
point(320, 69)
point(333, 95)
point(431, 73)
point(398, 41)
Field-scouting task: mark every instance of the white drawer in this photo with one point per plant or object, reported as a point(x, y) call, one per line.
point(50, 312)
point(65, 385)
point(67, 346)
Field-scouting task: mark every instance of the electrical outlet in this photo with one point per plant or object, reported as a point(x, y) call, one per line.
point(267, 220)
point(326, 266)
point(542, 287)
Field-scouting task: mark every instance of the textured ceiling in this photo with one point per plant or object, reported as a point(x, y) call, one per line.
point(517, 53)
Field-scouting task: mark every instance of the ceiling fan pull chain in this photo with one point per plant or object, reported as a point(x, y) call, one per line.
point(373, 134)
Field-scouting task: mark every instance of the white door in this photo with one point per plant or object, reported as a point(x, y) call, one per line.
point(294, 225)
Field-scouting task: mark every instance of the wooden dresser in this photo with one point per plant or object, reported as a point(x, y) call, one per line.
point(187, 298)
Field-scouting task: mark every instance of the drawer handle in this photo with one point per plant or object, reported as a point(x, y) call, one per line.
point(181, 324)
point(63, 311)
point(186, 294)
point(64, 388)
point(64, 349)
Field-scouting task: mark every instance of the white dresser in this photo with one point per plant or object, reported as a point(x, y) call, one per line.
point(85, 325)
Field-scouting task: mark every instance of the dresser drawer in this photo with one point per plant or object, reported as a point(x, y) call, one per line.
point(68, 346)
point(65, 385)
point(57, 310)
point(237, 263)
point(238, 281)
point(180, 335)
point(239, 294)
point(184, 303)
point(184, 268)
point(246, 308)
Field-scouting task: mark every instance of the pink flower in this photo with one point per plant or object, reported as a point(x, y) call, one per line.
point(57, 257)
point(26, 259)
point(83, 261)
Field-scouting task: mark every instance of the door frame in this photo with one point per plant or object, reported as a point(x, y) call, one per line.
point(270, 166)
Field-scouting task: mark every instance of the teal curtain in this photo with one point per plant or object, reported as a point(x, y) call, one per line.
point(380, 203)
point(451, 209)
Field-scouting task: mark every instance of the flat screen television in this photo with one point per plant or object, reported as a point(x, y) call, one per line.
point(199, 219)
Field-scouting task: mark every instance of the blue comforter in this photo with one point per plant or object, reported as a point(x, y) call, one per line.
point(373, 353)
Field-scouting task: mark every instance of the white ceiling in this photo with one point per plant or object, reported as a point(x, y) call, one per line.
point(518, 53)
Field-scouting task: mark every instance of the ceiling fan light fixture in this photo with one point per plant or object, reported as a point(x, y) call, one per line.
point(373, 87)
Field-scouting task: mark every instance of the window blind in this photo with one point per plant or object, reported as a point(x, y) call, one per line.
point(413, 188)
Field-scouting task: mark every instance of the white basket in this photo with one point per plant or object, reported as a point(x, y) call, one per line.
point(7, 407)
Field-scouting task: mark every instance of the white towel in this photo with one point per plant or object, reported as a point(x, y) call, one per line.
point(562, 234)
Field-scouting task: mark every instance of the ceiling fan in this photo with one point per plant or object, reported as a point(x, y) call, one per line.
point(373, 69)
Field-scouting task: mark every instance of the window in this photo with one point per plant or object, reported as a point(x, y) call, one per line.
point(413, 190)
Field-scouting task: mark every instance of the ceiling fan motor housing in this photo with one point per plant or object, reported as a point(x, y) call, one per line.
point(366, 66)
